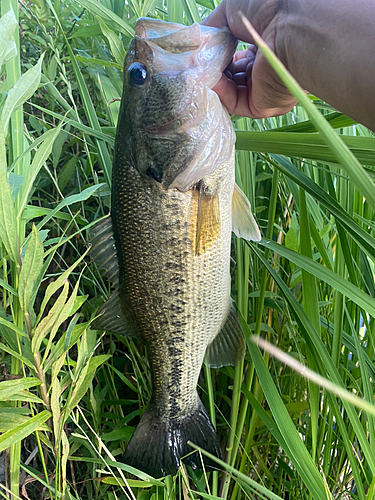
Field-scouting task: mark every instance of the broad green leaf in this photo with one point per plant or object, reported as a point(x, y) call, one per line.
point(15, 183)
point(336, 120)
point(148, 7)
point(115, 22)
point(208, 4)
point(67, 172)
point(8, 24)
point(55, 285)
point(16, 355)
point(133, 483)
point(12, 326)
point(175, 12)
point(8, 223)
point(62, 346)
point(32, 212)
point(7, 287)
point(12, 387)
point(25, 87)
point(117, 48)
point(70, 200)
point(43, 152)
point(9, 420)
point(66, 310)
point(99, 62)
point(312, 146)
point(191, 10)
point(44, 327)
point(123, 434)
point(83, 382)
point(135, 472)
point(25, 397)
point(31, 267)
point(86, 32)
point(21, 431)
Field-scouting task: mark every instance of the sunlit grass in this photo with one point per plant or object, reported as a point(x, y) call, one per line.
point(74, 396)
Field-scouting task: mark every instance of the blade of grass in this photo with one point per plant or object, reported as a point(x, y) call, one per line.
point(324, 363)
point(357, 295)
point(305, 145)
point(317, 379)
point(98, 9)
point(310, 305)
point(88, 106)
point(363, 239)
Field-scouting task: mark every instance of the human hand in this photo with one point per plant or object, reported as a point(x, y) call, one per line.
point(249, 86)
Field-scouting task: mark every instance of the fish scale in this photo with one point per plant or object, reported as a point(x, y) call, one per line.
point(177, 313)
point(173, 189)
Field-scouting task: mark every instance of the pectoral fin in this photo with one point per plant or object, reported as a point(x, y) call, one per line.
point(244, 225)
point(111, 318)
point(228, 347)
point(208, 220)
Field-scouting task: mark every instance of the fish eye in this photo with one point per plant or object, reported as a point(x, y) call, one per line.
point(137, 74)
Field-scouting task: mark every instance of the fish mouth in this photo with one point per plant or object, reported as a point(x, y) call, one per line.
point(203, 50)
point(200, 52)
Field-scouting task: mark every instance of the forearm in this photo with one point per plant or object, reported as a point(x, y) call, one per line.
point(329, 47)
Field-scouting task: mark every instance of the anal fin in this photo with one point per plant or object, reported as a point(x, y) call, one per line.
point(228, 347)
point(244, 225)
point(111, 318)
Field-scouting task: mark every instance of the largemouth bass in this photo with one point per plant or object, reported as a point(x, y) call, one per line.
point(173, 189)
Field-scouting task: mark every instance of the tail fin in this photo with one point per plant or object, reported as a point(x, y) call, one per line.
point(158, 444)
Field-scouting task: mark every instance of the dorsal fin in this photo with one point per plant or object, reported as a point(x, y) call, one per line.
point(244, 225)
point(103, 252)
point(103, 249)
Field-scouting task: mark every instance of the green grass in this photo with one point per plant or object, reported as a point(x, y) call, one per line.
point(71, 397)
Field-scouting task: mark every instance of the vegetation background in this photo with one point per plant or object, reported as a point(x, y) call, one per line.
point(71, 397)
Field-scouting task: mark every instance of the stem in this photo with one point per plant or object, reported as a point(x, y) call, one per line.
point(43, 387)
point(211, 402)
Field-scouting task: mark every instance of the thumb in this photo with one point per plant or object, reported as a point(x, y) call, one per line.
point(218, 17)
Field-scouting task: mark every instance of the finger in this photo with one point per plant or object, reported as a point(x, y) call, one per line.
point(241, 60)
point(238, 99)
point(239, 78)
point(227, 91)
point(239, 55)
point(268, 90)
point(218, 17)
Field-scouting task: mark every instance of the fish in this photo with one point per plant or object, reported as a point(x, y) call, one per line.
point(167, 246)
